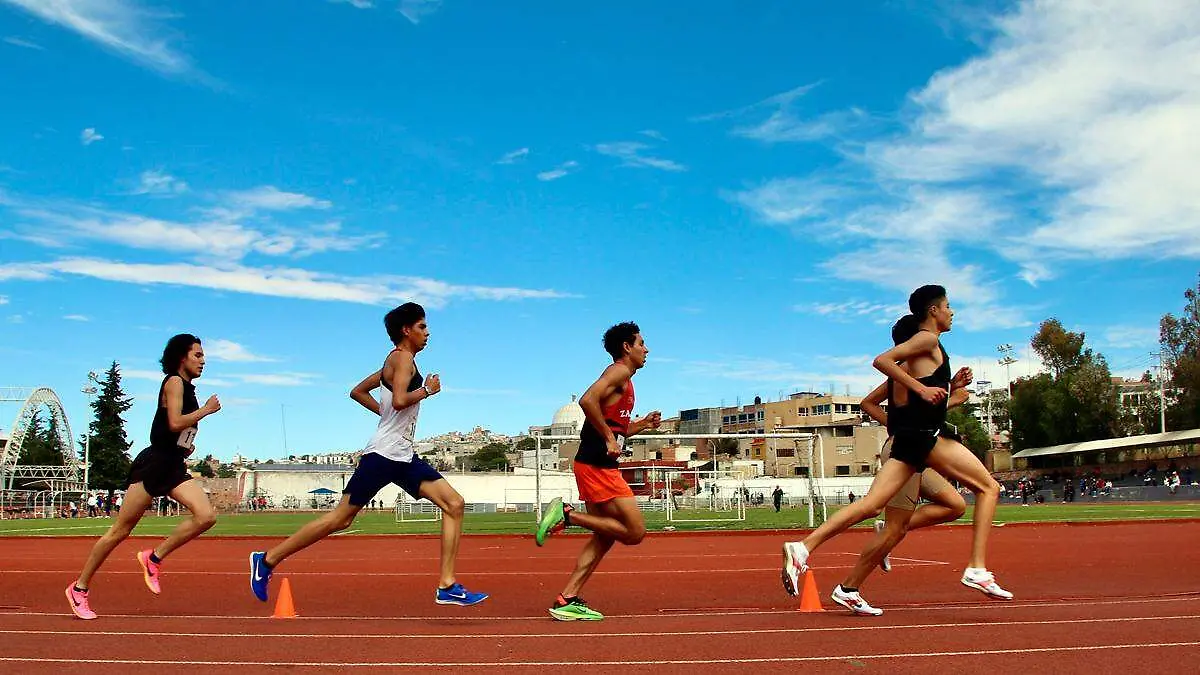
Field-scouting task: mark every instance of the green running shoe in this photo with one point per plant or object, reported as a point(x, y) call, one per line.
point(554, 519)
point(574, 610)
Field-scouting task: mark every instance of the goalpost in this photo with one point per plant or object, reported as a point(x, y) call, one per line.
point(727, 503)
point(409, 510)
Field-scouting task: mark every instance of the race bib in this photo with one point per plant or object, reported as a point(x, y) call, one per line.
point(187, 439)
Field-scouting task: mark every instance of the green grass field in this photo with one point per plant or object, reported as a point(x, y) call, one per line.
point(281, 524)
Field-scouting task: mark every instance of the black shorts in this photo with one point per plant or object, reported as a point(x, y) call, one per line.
point(913, 447)
point(375, 471)
point(159, 472)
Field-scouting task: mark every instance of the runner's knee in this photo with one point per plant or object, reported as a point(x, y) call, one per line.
point(634, 535)
point(205, 519)
point(455, 506)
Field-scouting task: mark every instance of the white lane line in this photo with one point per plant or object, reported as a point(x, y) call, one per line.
point(664, 662)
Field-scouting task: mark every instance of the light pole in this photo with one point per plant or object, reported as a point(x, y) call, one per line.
point(90, 391)
point(981, 389)
point(1007, 361)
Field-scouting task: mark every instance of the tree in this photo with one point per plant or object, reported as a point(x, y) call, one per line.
point(527, 444)
point(491, 457)
point(974, 436)
point(1180, 343)
point(727, 446)
point(1075, 402)
point(226, 471)
point(33, 449)
point(110, 446)
point(203, 469)
point(1059, 348)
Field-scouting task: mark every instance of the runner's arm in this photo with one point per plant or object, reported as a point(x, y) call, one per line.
point(871, 404)
point(613, 377)
point(888, 364)
point(361, 392)
point(403, 369)
point(176, 420)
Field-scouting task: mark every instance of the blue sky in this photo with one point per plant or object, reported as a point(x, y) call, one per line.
point(759, 185)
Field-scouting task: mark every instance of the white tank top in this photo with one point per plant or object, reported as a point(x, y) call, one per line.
point(396, 435)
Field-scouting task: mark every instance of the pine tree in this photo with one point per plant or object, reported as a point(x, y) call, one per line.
point(110, 446)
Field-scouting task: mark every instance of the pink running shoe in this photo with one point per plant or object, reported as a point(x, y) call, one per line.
point(79, 603)
point(150, 570)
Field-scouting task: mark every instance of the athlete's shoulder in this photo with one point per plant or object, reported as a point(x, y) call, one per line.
point(399, 357)
point(618, 372)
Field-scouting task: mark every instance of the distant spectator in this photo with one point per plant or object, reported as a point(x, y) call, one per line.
point(851, 497)
point(74, 510)
point(777, 498)
point(91, 505)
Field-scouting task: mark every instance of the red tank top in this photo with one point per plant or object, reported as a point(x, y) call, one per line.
point(592, 448)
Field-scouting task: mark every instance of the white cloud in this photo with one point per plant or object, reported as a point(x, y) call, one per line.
point(3, 299)
point(1131, 337)
point(157, 376)
point(416, 10)
point(274, 282)
point(558, 171)
point(121, 26)
point(773, 374)
point(16, 318)
point(877, 312)
point(1089, 106)
point(279, 379)
point(630, 154)
point(77, 317)
point(651, 133)
point(271, 198)
point(360, 4)
point(89, 136)
point(20, 42)
point(775, 120)
point(512, 157)
point(228, 350)
point(159, 183)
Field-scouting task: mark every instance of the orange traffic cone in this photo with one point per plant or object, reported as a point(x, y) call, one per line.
point(284, 608)
point(810, 599)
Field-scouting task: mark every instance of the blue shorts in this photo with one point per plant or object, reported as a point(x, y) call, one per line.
point(375, 471)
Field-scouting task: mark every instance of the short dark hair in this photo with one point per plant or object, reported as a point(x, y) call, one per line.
point(175, 351)
point(400, 318)
point(923, 298)
point(905, 329)
point(618, 336)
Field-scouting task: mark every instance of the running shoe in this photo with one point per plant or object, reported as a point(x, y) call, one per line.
point(795, 563)
point(79, 602)
point(854, 602)
point(150, 570)
point(886, 563)
point(574, 610)
point(260, 574)
point(984, 582)
point(457, 595)
point(554, 519)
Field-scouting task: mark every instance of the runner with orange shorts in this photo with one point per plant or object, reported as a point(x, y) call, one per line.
point(612, 513)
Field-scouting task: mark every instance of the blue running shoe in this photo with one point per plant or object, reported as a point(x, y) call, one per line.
point(260, 574)
point(457, 595)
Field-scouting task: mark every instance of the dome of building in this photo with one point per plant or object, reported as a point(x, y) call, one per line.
point(570, 415)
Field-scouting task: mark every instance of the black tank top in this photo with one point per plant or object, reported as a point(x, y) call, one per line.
point(916, 414)
point(161, 436)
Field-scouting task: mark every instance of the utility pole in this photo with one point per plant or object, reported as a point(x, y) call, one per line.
point(1007, 361)
point(1162, 395)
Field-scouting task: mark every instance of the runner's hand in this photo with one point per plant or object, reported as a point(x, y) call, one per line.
point(614, 448)
point(433, 383)
point(963, 378)
point(932, 395)
point(212, 405)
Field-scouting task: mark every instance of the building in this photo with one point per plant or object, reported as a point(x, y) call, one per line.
point(747, 419)
point(700, 421)
point(557, 455)
point(850, 445)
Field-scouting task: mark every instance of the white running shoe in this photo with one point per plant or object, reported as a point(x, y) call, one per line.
point(984, 582)
point(854, 602)
point(795, 563)
point(886, 563)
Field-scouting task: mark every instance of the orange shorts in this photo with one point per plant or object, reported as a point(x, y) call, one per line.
point(597, 485)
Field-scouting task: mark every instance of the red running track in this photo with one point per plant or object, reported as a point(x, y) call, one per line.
point(1090, 599)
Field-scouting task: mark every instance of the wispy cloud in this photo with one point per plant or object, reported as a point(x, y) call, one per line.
point(3, 299)
point(121, 26)
point(77, 317)
point(274, 282)
point(773, 374)
point(279, 379)
point(631, 154)
point(89, 135)
point(512, 157)
point(21, 42)
point(776, 120)
point(877, 312)
point(228, 350)
point(271, 198)
point(1131, 337)
point(360, 4)
point(159, 183)
point(651, 133)
point(559, 171)
point(416, 10)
